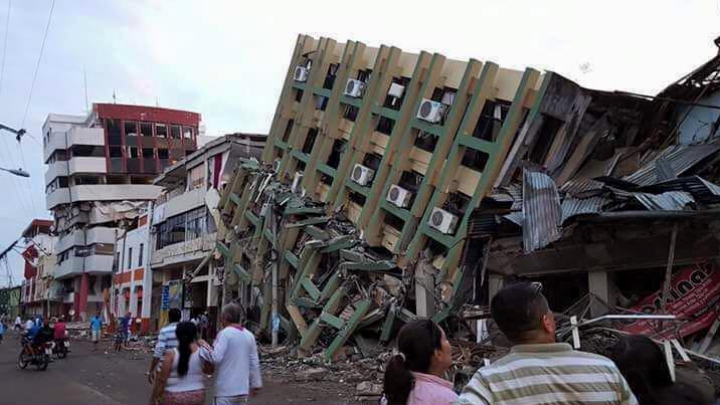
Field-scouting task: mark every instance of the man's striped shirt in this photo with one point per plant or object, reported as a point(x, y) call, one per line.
point(166, 340)
point(548, 374)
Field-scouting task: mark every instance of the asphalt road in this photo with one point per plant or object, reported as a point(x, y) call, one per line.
point(107, 377)
point(84, 377)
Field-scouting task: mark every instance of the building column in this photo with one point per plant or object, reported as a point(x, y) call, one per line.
point(147, 286)
point(83, 296)
point(133, 299)
point(495, 284)
point(424, 287)
point(602, 285)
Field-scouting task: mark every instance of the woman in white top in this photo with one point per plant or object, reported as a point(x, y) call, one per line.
point(181, 378)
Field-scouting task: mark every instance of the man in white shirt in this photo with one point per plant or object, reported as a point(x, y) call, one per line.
point(236, 360)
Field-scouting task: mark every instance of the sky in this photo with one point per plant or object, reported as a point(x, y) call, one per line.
point(227, 59)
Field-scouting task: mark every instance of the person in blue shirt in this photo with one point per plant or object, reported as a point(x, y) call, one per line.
point(95, 329)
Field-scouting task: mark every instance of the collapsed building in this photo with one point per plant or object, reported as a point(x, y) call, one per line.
point(395, 186)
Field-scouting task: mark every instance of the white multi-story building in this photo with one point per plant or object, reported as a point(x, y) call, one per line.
point(184, 227)
point(100, 172)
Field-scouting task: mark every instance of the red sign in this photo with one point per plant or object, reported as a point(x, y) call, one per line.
point(694, 298)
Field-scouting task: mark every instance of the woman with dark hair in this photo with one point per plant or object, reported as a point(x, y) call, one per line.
point(181, 378)
point(642, 362)
point(415, 375)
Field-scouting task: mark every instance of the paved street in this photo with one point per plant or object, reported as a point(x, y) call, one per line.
point(88, 377)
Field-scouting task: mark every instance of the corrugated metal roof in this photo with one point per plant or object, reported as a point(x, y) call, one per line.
point(541, 211)
point(516, 217)
point(701, 189)
point(668, 201)
point(680, 158)
point(583, 187)
point(577, 206)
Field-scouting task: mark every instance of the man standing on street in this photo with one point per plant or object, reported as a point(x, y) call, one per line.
point(18, 324)
point(236, 360)
point(95, 329)
point(166, 341)
point(538, 370)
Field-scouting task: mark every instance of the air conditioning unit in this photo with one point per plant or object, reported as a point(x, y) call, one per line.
point(431, 111)
point(354, 88)
point(398, 196)
point(301, 74)
point(396, 90)
point(443, 221)
point(362, 175)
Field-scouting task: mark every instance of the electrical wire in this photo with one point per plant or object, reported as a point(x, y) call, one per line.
point(13, 181)
point(4, 52)
point(37, 66)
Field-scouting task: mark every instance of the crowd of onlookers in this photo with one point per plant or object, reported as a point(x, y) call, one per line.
point(538, 370)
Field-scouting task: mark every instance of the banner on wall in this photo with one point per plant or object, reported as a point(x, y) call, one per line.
point(694, 298)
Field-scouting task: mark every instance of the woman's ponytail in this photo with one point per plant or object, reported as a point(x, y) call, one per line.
point(398, 381)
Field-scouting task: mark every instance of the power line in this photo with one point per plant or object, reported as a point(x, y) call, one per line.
point(37, 66)
point(7, 31)
point(13, 180)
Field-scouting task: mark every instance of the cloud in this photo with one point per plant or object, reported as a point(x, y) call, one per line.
point(227, 59)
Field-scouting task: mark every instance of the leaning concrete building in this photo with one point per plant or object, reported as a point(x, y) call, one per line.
point(395, 186)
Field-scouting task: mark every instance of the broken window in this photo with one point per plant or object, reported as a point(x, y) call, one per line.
point(357, 198)
point(133, 152)
point(456, 203)
point(141, 180)
point(116, 152)
point(385, 126)
point(148, 153)
point(161, 130)
point(411, 181)
point(59, 156)
point(288, 130)
point(81, 180)
point(115, 179)
point(325, 179)
point(146, 128)
point(330, 76)
point(321, 103)
point(475, 159)
point(372, 160)
point(310, 140)
point(364, 75)
point(175, 131)
point(62, 182)
point(491, 120)
point(545, 138)
point(87, 151)
point(393, 221)
point(187, 132)
point(300, 167)
point(338, 149)
point(113, 129)
point(130, 128)
point(426, 141)
point(350, 113)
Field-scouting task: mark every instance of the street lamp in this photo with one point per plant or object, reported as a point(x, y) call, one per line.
point(18, 136)
point(18, 172)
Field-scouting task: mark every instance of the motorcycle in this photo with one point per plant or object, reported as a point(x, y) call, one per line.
point(61, 348)
point(38, 355)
